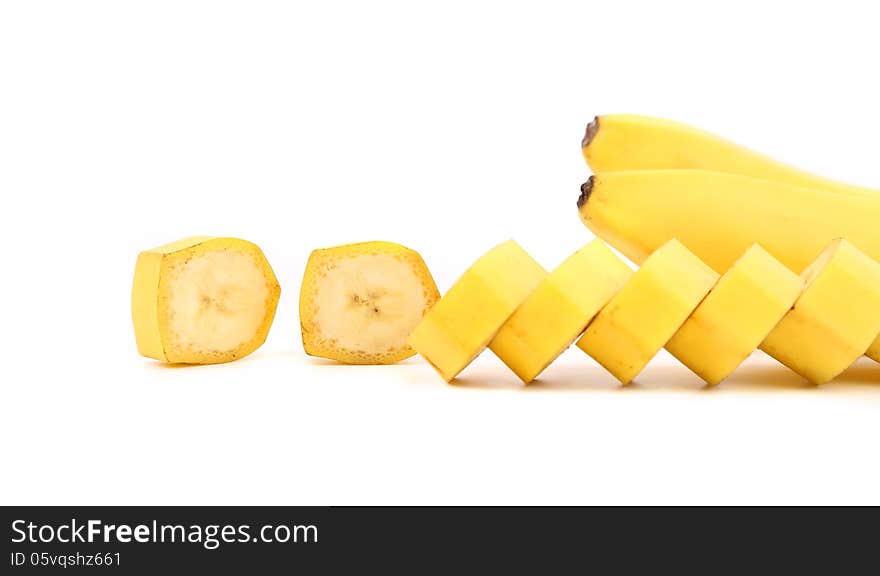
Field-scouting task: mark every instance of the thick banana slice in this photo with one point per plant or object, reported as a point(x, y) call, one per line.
point(465, 320)
point(645, 314)
point(736, 316)
point(203, 300)
point(836, 317)
point(360, 302)
point(555, 314)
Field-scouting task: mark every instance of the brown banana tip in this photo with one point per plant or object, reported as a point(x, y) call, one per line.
point(586, 190)
point(592, 130)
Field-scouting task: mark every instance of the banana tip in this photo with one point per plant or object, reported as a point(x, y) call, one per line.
point(592, 129)
point(586, 190)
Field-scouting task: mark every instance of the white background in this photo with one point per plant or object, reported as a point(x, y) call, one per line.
point(448, 127)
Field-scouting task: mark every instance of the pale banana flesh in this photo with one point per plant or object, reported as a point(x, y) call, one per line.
point(640, 319)
point(203, 300)
point(836, 317)
point(463, 322)
point(559, 309)
point(732, 321)
point(360, 302)
point(630, 142)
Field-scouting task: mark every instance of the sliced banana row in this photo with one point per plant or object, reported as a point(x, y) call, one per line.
point(817, 323)
point(205, 300)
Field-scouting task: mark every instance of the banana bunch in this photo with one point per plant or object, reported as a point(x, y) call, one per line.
point(655, 180)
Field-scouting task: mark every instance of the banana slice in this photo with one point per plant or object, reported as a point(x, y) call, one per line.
point(203, 300)
point(736, 316)
point(465, 320)
point(555, 314)
point(836, 317)
point(645, 314)
point(360, 302)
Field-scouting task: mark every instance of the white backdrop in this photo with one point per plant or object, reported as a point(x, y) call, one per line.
point(446, 127)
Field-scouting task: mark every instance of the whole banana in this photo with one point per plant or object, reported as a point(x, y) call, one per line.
point(719, 215)
point(630, 142)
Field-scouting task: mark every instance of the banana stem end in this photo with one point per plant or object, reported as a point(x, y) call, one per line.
point(586, 190)
point(592, 130)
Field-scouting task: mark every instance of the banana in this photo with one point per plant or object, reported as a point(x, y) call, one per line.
point(555, 314)
point(646, 313)
point(203, 300)
point(718, 216)
point(836, 317)
point(360, 302)
point(629, 142)
point(463, 322)
point(737, 315)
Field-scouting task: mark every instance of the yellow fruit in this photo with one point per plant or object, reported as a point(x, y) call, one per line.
point(629, 142)
point(360, 302)
point(555, 314)
point(736, 316)
point(465, 320)
point(718, 216)
point(643, 316)
point(836, 317)
point(203, 300)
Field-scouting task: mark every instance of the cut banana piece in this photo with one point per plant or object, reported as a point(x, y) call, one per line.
point(736, 316)
point(555, 314)
point(465, 320)
point(835, 319)
point(203, 300)
point(360, 302)
point(644, 315)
